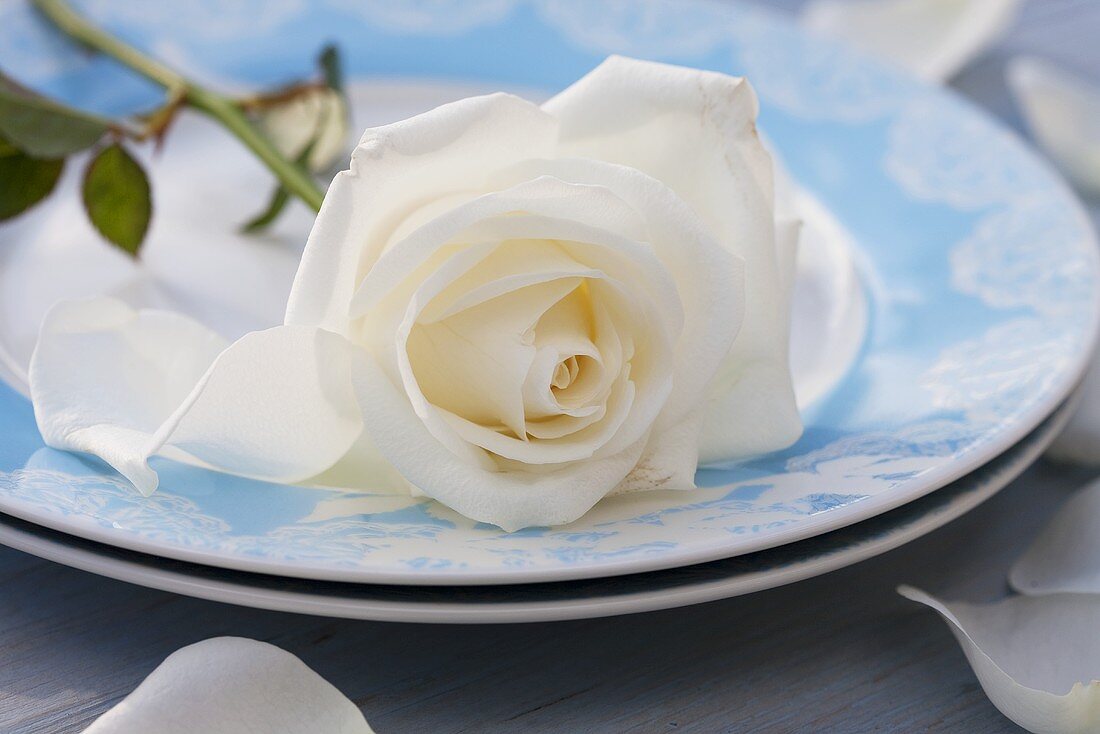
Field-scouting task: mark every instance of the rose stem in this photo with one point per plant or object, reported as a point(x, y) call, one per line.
point(217, 106)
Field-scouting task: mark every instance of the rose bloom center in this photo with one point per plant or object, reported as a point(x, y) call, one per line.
point(544, 361)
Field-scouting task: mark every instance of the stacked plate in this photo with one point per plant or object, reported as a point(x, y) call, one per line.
point(946, 308)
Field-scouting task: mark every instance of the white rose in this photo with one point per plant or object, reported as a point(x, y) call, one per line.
point(516, 310)
point(319, 114)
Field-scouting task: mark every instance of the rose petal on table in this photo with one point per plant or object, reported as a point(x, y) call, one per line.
point(933, 39)
point(1063, 113)
point(231, 685)
point(614, 114)
point(123, 384)
point(1037, 658)
point(1065, 555)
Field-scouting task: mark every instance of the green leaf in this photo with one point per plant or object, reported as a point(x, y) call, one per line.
point(117, 199)
point(7, 148)
point(263, 220)
point(332, 67)
point(25, 181)
point(46, 129)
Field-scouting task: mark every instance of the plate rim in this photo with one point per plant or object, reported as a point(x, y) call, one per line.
point(145, 571)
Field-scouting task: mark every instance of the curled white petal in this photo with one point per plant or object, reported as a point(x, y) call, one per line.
point(124, 384)
point(231, 685)
point(1061, 110)
point(931, 38)
point(1037, 658)
point(1065, 555)
point(712, 158)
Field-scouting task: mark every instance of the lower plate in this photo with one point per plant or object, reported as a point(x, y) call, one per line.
point(979, 268)
point(552, 601)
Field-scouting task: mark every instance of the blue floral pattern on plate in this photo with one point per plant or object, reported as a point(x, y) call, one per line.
point(981, 268)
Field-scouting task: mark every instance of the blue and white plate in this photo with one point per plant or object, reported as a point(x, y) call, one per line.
point(978, 268)
point(600, 597)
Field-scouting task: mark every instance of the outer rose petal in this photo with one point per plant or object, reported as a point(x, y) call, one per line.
point(512, 500)
point(669, 460)
point(230, 684)
point(394, 171)
point(710, 155)
point(277, 404)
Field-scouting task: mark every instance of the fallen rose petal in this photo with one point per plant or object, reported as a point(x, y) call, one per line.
point(933, 39)
point(231, 685)
point(122, 384)
point(1065, 555)
point(1062, 110)
point(1037, 658)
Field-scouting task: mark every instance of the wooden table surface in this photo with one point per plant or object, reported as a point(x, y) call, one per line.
point(838, 653)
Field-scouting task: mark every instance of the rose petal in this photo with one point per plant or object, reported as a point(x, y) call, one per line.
point(829, 308)
point(230, 684)
point(710, 280)
point(1061, 110)
point(669, 460)
point(104, 377)
point(474, 362)
point(122, 384)
point(505, 269)
point(1037, 658)
point(587, 223)
point(542, 208)
point(1065, 556)
point(511, 500)
point(931, 39)
point(632, 411)
point(395, 169)
point(614, 114)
